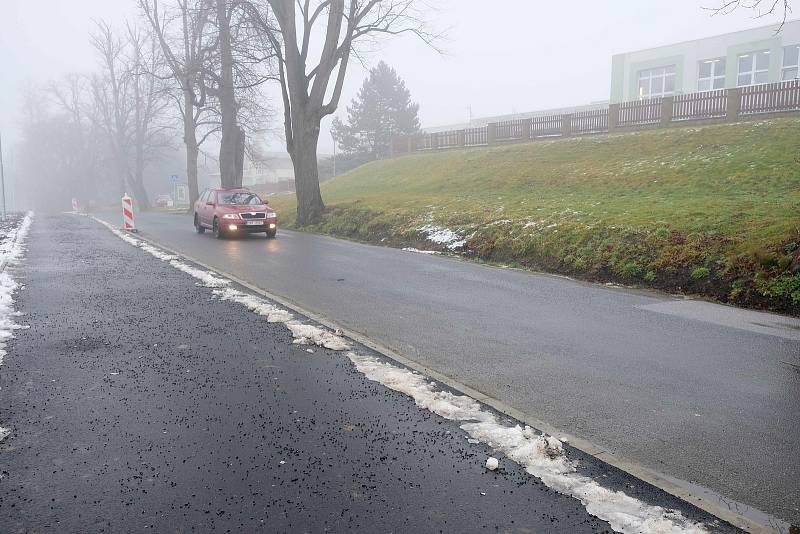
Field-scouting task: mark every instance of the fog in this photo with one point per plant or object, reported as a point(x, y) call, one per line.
point(514, 56)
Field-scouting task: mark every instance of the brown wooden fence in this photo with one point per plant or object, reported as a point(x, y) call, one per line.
point(718, 105)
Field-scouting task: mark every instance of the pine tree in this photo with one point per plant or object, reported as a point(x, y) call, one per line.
point(382, 109)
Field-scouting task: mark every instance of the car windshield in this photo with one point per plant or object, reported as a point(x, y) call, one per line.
point(238, 198)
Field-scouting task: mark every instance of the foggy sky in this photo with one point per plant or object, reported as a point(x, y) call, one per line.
point(517, 55)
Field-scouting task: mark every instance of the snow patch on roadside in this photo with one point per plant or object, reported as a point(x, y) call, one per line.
point(418, 251)
point(306, 334)
point(303, 334)
point(542, 456)
point(206, 278)
point(12, 250)
point(443, 236)
point(255, 304)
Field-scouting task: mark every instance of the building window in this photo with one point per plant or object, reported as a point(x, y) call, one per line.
point(791, 63)
point(657, 82)
point(711, 74)
point(753, 68)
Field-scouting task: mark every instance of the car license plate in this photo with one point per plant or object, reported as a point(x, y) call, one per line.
point(255, 223)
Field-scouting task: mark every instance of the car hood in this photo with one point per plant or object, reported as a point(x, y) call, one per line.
point(246, 208)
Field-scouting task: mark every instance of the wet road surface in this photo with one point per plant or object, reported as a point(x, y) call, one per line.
point(137, 403)
point(701, 392)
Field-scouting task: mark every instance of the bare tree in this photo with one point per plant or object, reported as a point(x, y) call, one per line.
point(110, 93)
point(148, 101)
point(188, 53)
point(761, 8)
point(304, 87)
point(128, 101)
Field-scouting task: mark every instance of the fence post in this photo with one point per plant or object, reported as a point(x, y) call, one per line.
point(613, 117)
point(526, 128)
point(566, 125)
point(461, 138)
point(666, 110)
point(733, 105)
point(491, 133)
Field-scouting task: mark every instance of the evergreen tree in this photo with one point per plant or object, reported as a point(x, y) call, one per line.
point(382, 109)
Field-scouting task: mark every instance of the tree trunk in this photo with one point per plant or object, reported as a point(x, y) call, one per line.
point(190, 140)
point(137, 182)
point(240, 140)
point(227, 101)
point(140, 195)
point(306, 175)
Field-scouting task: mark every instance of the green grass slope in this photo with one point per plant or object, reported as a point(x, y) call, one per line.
point(711, 210)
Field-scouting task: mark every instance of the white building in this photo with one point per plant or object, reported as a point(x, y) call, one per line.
point(748, 57)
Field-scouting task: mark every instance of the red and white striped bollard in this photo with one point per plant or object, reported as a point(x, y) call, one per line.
point(127, 214)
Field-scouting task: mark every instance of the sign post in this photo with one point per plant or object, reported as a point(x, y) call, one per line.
point(127, 214)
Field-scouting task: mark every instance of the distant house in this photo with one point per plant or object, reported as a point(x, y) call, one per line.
point(749, 57)
point(269, 172)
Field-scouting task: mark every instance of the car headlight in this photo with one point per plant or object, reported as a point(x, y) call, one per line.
point(271, 215)
point(229, 216)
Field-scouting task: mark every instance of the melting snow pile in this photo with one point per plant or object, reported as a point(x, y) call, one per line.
point(540, 455)
point(443, 236)
point(306, 334)
point(12, 250)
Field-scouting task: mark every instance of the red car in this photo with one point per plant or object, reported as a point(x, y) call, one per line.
point(233, 211)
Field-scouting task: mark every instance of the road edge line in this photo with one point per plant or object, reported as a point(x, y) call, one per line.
point(763, 523)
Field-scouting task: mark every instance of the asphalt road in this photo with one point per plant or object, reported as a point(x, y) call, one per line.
point(702, 392)
point(138, 403)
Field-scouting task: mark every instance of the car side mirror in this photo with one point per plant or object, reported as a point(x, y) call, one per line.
point(266, 202)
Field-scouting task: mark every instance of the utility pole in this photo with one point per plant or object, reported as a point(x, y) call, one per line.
point(2, 177)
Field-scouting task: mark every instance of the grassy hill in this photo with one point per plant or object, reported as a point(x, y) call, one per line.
point(711, 210)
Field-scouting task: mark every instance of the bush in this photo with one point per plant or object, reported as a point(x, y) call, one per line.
point(630, 270)
point(784, 287)
point(700, 273)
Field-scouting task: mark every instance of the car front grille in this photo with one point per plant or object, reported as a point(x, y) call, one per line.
point(253, 215)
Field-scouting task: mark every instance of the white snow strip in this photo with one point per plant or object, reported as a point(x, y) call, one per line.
point(206, 278)
point(12, 250)
point(541, 456)
point(418, 251)
point(255, 304)
point(303, 334)
point(306, 334)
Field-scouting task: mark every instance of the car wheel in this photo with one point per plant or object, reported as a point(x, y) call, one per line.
point(271, 233)
point(217, 230)
point(197, 227)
